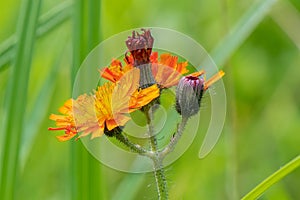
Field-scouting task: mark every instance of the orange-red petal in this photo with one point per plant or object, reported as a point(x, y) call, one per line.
point(167, 71)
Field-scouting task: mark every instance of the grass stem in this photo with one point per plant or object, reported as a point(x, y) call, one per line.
point(272, 179)
point(46, 22)
point(18, 84)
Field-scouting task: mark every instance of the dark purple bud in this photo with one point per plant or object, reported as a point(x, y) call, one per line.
point(140, 46)
point(188, 95)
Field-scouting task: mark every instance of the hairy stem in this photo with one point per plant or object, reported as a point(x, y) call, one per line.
point(160, 178)
point(175, 139)
point(159, 172)
point(132, 146)
point(154, 153)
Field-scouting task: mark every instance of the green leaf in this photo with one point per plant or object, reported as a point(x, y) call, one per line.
point(282, 14)
point(17, 95)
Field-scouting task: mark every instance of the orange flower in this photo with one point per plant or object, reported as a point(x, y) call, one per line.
point(78, 116)
point(115, 100)
point(106, 109)
point(167, 71)
point(115, 71)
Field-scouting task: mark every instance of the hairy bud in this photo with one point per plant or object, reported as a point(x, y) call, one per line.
point(188, 95)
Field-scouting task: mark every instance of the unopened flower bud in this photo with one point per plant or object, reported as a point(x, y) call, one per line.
point(188, 95)
point(140, 46)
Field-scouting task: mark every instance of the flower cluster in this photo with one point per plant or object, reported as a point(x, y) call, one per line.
point(132, 84)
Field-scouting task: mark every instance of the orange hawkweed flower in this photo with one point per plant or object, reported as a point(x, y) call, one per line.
point(78, 116)
point(113, 101)
point(106, 109)
point(167, 71)
point(115, 71)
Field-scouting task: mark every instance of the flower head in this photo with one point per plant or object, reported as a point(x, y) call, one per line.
point(105, 110)
point(113, 101)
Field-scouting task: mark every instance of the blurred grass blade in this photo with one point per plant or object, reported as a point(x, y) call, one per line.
point(97, 189)
point(288, 19)
point(231, 42)
point(17, 94)
point(46, 23)
point(54, 18)
point(274, 178)
point(130, 185)
point(39, 112)
point(86, 181)
point(79, 179)
point(241, 31)
point(126, 189)
point(7, 52)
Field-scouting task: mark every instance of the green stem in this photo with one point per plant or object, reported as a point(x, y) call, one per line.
point(154, 153)
point(159, 172)
point(274, 178)
point(160, 178)
point(132, 146)
point(175, 139)
point(153, 139)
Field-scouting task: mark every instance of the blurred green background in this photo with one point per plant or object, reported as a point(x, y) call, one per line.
point(257, 43)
